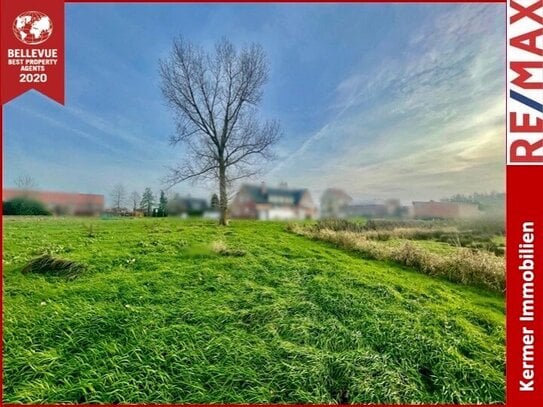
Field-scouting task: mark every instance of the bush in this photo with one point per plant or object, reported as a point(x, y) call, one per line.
point(24, 206)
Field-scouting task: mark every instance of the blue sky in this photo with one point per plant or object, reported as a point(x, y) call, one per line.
point(383, 101)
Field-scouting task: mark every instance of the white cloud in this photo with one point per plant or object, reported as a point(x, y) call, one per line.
point(429, 122)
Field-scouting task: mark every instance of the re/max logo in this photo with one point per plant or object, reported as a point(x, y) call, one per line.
point(525, 82)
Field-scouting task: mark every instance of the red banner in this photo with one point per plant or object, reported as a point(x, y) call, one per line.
point(32, 48)
point(524, 285)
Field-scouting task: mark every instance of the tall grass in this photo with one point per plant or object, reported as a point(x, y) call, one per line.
point(465, 266)
point(54, 266)
point(477, 233)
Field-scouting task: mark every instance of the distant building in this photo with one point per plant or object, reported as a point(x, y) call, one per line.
point(444, 210)
point(369, 210)
point(333, 203)
point(388, 208)
point(187, 206)
point(261, 202)
point(61, 203)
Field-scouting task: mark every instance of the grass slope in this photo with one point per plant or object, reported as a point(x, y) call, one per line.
point(159, 317)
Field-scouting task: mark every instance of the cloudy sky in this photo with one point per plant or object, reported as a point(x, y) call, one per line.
point(383, 101)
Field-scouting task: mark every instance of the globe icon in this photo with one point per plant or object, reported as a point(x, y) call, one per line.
point(32, 27)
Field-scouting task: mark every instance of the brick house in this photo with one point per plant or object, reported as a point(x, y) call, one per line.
point(61, 203)
point(261, 202)
point(444, 210)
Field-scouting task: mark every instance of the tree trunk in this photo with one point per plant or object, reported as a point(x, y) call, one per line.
point(223, 199)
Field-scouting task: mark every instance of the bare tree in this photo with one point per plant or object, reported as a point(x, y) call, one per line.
point(135, 199)
point(25, 182)
point(118, 196)
point(214, 97)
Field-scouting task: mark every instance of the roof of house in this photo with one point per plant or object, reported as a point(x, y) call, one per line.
point(262, 194)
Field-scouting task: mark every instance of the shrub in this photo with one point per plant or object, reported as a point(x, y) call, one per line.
point(24, 206)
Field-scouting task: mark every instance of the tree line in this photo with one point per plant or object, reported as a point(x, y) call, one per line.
point(484, 200)
point(147, 204)
point(144, 203)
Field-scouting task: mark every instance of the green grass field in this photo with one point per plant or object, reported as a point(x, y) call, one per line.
point(173, 310)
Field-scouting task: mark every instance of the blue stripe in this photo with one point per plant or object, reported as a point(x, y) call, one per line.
point(526, 101)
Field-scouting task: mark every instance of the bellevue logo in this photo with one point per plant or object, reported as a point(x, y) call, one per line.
point(32, 27)
point(32, 48)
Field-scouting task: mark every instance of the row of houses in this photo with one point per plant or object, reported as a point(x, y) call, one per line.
point(263, 203)
point(336, 203)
